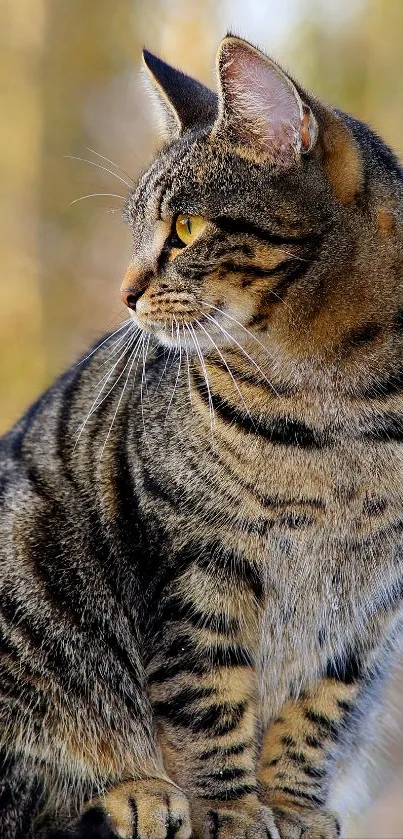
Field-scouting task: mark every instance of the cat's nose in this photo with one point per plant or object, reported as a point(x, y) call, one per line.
point(130, 297)
point(134, 285)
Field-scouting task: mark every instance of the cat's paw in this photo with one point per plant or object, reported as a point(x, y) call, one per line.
point(145, 809)
point(302, 823)
point(220, 821)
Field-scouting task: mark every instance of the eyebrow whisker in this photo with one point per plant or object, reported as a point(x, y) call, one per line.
point(98, 166)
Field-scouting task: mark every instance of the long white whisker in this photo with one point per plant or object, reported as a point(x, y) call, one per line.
point(108, 160)
point(238, 323)
point(284, 302)
point(294, 255)
point(104, 381)
point(164, 370)
point(97, 195)
point(117, 345)
point(108, 338)
point(96, 403)
point(246, 354)
point(129, 362)
point(144, 382)
point(123, 353)
point(234, 382)
point(179, 353)
point(98, 166)
point(145, 377)
point(188, 366)
point(203, 366)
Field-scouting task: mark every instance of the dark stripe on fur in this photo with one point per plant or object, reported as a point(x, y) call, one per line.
point(218, 719)
point(304, 796)
point(233, 566)
point(347, 668)
point(177, 608)
point(251, 270)
point(283, 431)
point(387, 427)
point(326, 727)
point(235, 226)
point(252, 378)
point(361, 336)
point(382, 388)
point(223, 752)
point(313, 742)
point(230, 794)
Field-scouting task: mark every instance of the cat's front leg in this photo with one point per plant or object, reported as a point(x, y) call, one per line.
point(204, 698)
point(298, 758)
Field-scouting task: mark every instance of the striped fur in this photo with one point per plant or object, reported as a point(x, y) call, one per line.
point(202, 572)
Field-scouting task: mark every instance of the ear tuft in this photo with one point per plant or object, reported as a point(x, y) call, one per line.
point(183, 102)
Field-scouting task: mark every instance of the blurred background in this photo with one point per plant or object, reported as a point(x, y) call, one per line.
point(71, 88)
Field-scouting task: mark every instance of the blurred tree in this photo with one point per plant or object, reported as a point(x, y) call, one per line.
point(21, 353)
point(354, 59)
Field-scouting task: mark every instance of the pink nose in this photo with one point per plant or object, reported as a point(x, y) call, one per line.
point(130, 296)
point(134, 285)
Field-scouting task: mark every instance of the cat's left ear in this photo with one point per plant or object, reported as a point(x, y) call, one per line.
point(182, 102)
point(260, 107)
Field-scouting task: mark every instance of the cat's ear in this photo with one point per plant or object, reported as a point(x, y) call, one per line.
point(265, 115)
point(182, 102)
point(260, 107)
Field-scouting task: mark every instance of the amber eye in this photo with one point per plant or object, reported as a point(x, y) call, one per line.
point(188, 227)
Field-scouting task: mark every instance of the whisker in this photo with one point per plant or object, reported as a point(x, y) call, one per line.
point(108, 372)
point(144, 348)
point(117, 345)
point(179, 352)
point(108, 160)
point(234, 320)
point(164, 370)
point(108, 338)
point(129, 362)
point(228, 369)
point(97, 195)
point(294, 255)
point(203, 366)
point(284, 302)
point(246, 354)
point(145, 378)
point(105, 379)
point(188, 367)
point(96, 404)
point(98, 166)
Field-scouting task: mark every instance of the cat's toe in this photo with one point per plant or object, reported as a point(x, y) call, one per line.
point(303, 823)
point(148, 809)
point(226, 822)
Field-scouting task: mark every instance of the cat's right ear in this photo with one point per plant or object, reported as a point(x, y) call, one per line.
point(182, 102)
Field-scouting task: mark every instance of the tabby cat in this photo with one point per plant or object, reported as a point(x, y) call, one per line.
point(202, 570)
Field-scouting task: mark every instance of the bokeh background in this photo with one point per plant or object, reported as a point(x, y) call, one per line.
point(71, 88)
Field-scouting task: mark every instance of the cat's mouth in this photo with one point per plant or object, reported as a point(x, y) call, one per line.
point(174, 327)
point(187, 323)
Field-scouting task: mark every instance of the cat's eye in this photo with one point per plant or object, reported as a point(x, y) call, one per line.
point(188, 227)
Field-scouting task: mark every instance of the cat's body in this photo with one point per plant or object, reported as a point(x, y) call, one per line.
point(215, 584)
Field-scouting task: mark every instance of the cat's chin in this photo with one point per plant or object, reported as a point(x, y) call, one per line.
point(178, 334)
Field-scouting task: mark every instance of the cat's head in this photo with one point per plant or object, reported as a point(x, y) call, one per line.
point(257, 216)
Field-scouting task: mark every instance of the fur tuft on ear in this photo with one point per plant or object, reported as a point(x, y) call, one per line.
point(260, 107)
point(182, 102)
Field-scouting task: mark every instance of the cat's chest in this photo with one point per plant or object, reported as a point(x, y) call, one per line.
point(323, 526)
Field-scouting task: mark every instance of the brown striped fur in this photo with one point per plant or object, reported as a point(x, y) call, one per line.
point(201, 571)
